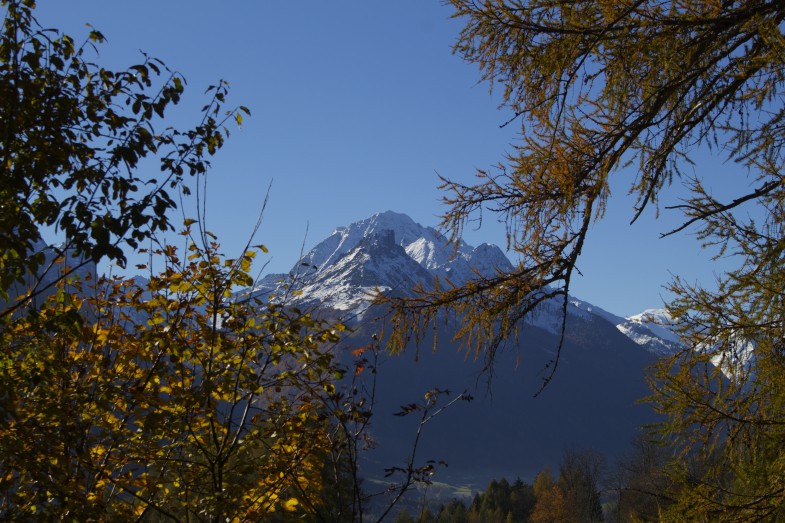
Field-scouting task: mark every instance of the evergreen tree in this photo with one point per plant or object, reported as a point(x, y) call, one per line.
point(453, 512)
point(426, 516)
point(605, 90)
point(522, 500)
point(501, 501)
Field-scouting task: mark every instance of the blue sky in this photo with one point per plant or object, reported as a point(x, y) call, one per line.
point(357, 105)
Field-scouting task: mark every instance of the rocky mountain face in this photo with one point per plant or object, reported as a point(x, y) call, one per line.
point(592, 401)
point(389, 252)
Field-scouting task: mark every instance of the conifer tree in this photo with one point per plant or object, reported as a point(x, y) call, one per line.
point(625, 92)
point(551, 506)
point(605, 90)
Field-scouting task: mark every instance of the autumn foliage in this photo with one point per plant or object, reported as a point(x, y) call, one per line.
point(121, 398)
point(169, 398)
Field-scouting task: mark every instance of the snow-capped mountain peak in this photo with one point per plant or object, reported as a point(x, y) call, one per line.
point(652, 329)
point(390, 252)
point(425, 245)
point(343, 239)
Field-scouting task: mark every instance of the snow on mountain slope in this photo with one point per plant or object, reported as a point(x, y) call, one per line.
point(376, 263)
point(652, 329)
point(425, 245)
point(647, 329)
point(387, 252)
point(391, 252)
point(597, 311)
point(657, 321)
point(548, 315)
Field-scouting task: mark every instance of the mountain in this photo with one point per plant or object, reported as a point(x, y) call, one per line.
point(592, 400)
point(652, 329)
point(388, 252)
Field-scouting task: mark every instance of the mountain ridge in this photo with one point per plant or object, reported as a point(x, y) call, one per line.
point(390, 252)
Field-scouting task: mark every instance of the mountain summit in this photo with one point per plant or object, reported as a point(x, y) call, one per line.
point(424, 245)
point(390, 252)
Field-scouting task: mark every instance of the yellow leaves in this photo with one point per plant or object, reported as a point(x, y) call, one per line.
point(289, 449)
point(101, 335)
point(290, 505)
point(156, 319)
point(149, 379)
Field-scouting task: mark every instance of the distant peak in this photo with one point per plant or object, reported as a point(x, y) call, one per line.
point(366, 243)
point(652, 315)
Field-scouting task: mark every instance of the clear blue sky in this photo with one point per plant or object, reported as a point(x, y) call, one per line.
point(357, 105)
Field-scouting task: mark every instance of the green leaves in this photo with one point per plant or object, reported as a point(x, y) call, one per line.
point(74, 136)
